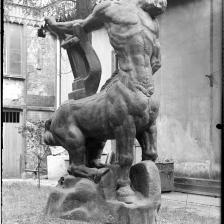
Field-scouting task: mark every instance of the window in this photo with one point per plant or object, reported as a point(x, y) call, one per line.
point(12, 50)
point(11, 116)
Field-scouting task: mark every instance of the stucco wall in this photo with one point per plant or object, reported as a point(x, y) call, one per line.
point(41, 68)
point(190, 108)
point(100, 42)
point(66, 76)
point(13, 92)
point(39, 63)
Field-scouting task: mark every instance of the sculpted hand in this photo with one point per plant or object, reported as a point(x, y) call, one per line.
point(51, 25)
point(77, 22)
point(77, 27)
point(49, 21)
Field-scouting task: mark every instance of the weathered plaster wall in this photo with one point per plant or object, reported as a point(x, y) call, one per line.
point(100, 42)
point(13, 92)
point(38, 115)
point(189, 111)
point(41, 68)
point(39, 63)
point(66, 76)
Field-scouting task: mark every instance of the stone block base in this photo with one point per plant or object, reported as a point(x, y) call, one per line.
point(77, 94)
point(78, 90)
point(82, 199)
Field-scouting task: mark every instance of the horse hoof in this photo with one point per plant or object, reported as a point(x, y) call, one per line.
point(100, 173)
point(96, 164)
point(126, 194)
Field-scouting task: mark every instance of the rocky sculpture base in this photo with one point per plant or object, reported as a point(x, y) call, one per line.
point(82, 199)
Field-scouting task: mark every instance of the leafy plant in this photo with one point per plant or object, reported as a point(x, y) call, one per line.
point(33, 132)
point(64, 10)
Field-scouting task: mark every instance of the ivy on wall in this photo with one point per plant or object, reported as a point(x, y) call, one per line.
point(36, 149)
point(63, 10)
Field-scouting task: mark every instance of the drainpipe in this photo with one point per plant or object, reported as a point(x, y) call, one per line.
point(58, 78)
point(211, 79)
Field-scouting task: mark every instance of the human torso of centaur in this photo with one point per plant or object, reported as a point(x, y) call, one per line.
point(132, 33)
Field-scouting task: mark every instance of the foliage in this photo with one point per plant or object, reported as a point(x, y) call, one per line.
point(63, 10)
point(33, 132)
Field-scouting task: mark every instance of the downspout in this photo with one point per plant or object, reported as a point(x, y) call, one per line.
point(211, 79)
point(222, 106)
point(58, 77)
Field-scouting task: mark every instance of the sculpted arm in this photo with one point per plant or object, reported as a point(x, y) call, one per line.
point(92, 22)
point(156, 55)
point(97, 18)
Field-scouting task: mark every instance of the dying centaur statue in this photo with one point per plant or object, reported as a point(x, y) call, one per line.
point(125, 108)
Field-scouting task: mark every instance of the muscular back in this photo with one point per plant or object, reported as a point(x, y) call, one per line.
point(132, 33)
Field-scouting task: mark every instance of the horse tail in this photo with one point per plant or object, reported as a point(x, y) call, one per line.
point(48, 124)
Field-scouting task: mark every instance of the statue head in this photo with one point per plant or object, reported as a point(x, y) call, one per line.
point(153, 7)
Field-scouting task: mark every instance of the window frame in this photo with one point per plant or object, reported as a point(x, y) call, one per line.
point(12, 110)
point(6, 73)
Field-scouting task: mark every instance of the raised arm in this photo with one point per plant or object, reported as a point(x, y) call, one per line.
point(97, 18)
point(92, 22)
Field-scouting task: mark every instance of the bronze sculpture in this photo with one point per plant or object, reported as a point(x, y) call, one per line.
point(125, 109)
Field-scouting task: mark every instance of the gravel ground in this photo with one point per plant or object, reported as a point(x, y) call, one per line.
point(23, 203)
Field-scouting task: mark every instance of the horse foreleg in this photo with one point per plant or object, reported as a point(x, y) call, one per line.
point(94, 150)
point(73, 140)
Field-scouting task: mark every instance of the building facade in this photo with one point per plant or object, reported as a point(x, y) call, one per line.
point(31, 71)
point(29, 82)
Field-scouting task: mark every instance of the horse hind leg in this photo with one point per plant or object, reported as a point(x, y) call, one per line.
point(148, 143)
point(94, 149)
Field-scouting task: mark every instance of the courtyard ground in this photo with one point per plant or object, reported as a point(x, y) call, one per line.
point(23, 203)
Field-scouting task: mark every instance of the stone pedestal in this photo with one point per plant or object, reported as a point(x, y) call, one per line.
point(78, 89)
point(82, 199)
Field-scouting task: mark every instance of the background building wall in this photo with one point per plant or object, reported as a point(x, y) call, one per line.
point(31, 92)
point(41, 69)
point(13, 92)
point(101, 45)
point(190, 108)
point(66, 76)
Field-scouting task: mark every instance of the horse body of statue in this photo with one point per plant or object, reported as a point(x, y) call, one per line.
point(125, 108)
